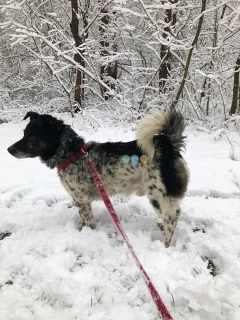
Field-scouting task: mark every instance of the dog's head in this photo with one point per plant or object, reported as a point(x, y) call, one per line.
point(41, 137)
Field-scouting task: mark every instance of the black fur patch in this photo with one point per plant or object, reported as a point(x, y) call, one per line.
point(155, 204)
point(161, 191)
point(116, 149)
point(175, 186)
point(111, 152)
point(41, 137)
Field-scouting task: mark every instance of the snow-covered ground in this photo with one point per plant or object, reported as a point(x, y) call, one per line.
point(50, 270)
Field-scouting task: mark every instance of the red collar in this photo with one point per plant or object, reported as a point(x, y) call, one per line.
point(73, 158)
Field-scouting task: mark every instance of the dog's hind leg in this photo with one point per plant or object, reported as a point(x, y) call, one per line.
point(157, 199)
point(85, 212)
point(170, 218)
point(166, 208)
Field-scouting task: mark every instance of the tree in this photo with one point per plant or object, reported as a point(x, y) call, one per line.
point(236, 90)
point(143, 53)
point(79, 55)
point(194, 43)
point(108, 70)
point(165, 66)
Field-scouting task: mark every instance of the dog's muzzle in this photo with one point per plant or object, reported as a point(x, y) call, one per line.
point(12, 150)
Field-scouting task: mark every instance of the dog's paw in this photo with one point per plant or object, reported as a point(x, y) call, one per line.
point(82, 225)
point(92, 226)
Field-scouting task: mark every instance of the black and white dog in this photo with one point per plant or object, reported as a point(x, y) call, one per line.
point(163, 178)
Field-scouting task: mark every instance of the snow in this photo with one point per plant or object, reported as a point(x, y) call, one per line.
point(50, 270)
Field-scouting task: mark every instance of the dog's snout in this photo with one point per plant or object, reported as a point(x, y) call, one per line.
point(12, 150)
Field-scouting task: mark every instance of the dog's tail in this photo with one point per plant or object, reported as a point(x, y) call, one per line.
point(170, 123)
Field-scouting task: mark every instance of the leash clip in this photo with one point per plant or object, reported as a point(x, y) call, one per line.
point(85, 154)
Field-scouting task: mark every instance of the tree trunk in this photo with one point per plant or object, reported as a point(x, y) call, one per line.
point(165, 68)
point(80, 77)
point(195, 40)
point(110, 70)
point(211, 64)
point(239, 99)
point(235, 88)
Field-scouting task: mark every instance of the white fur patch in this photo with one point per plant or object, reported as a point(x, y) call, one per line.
point(150, 125)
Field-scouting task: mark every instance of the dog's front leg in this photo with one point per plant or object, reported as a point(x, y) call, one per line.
point(85, 212)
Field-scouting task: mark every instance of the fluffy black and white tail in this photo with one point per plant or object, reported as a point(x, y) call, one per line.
point(169, 122)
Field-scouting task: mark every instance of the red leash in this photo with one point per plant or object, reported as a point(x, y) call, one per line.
point(103, 193)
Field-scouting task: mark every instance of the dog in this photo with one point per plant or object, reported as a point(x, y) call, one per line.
point(163, 177)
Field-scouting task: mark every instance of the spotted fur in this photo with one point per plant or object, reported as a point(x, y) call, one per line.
point(163, 179)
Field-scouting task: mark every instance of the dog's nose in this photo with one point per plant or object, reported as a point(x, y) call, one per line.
point(11, 150)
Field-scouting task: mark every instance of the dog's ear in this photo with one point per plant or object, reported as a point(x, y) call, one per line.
point(32, 115)
point(43, 119)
